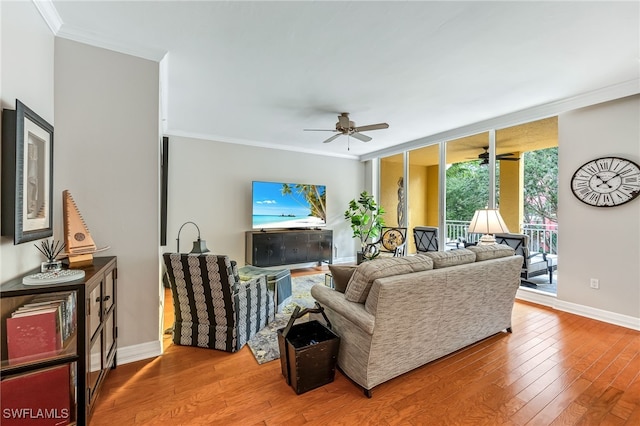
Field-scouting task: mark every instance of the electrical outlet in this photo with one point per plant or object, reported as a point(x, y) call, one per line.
point(595, 283)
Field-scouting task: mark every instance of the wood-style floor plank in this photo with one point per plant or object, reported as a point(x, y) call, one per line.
point(554, 369)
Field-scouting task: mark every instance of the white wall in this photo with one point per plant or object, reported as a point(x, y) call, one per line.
point(602, 243)
point(107, 156)
point(27, 52)
point(210, 184)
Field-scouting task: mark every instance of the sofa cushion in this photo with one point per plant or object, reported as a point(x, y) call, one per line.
point(491, 251)
point(341, 275)
point(369, 271)
point(444, 259)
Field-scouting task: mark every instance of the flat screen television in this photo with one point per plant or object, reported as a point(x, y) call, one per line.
point(279, 205)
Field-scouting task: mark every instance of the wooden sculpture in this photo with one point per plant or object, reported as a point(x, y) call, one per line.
point(77, 238)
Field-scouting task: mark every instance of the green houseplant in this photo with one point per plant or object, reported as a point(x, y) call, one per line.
point(366, 220)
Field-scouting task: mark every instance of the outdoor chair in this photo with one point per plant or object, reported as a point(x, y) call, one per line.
point(426, 238)
point(534, 264)
point(212, 307)
point(393, 241)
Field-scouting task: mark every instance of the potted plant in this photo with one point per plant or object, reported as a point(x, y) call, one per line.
point(365, 217)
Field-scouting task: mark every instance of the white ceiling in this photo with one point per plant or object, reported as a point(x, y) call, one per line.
point(260, 72)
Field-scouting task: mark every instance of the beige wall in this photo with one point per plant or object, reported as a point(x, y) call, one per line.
point(105, 152)
point(512, 193)
point(391, 169)
point(107, 156)
point(602, 243)
point(25, 40)
point(433, 199)
point(210, 184)
point(418, 202)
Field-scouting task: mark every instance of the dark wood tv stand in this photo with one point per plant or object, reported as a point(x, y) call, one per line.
point(288, 247)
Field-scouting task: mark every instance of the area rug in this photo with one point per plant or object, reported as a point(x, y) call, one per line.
point(264, 345)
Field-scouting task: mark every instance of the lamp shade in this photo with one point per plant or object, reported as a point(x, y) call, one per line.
point(487, 221)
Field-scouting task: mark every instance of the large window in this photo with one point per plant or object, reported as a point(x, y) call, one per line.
point(467, 186)
point(523, 185)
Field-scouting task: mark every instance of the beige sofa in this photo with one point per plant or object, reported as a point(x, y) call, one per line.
point(398, 314)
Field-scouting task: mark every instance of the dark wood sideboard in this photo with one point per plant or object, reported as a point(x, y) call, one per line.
point(88, 350)
point(288, 247)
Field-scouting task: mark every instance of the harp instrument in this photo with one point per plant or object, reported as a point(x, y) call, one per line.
point(80, 246)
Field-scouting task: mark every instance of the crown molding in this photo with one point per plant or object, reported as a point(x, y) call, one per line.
point(81, 36)
point(234, 141)
point(617, 91)
point(49, 14)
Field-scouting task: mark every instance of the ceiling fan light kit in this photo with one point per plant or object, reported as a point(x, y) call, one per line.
point(345, 126)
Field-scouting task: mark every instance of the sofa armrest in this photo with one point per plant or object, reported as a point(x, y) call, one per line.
point(354, 312)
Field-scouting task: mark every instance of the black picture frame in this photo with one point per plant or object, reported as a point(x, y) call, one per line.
point(27, 175)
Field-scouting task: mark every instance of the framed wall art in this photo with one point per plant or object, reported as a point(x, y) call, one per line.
point(27, 175)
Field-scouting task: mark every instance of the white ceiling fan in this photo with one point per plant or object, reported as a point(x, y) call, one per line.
point(344, 126)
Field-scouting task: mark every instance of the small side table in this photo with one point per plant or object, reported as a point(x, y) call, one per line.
point(278, 280)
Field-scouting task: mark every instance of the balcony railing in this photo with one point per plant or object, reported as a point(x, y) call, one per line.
point(542, 237)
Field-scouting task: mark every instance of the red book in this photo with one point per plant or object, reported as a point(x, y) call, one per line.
point(33, 335)
point(41, 398)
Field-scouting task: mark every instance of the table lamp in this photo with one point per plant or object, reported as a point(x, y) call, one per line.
point(487, 222)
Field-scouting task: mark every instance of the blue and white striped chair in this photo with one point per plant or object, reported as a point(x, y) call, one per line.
point(213, 308)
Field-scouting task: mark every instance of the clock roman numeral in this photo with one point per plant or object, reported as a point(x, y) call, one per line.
point(621, 196)
point(606, 200)
point(593, 169)
point(626, 171)
point(583, 175)
point(604, 164)
point(615, 164)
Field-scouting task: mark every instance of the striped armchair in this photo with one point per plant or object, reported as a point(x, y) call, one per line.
point(213, 308)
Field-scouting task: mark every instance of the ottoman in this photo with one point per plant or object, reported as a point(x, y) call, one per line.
point(278, 280)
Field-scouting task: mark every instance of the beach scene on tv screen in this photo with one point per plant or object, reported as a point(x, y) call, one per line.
point(288, 205)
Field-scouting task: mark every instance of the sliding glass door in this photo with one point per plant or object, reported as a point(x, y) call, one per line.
point(513, 169)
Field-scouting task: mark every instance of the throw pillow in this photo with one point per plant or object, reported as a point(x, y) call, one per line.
point(369, 271)
point(444, 259)
point(491, 251)
point(341, 275)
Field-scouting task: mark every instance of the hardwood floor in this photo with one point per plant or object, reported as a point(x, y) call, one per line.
point(555, 369)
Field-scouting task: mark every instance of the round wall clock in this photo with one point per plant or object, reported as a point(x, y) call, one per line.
point(606, 182)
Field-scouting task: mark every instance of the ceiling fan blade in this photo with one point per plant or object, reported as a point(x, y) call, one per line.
point(332, 138)
point(363, 138)
point(319, 130)
point(372, 127)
